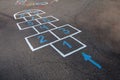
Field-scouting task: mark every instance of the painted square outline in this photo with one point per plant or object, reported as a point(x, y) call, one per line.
point(35, 20)
point(34, 27)
point(32, 16)
point(56, 19)
point(42, 12)
point(23, 12)
point(43, 31)
point(72, 52)
point(28, 26)
point(50, 30)
point(78, 31)
point(21, 17)
point(34, 49)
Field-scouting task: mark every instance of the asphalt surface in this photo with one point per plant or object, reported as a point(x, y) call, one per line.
point(99, 21)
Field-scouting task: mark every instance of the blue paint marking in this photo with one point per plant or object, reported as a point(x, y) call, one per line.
point(21, 15)
point(65, 43)
point(44, 27)
point(89, 58)
point(27, 10)
point(46, 20)
point(42, 39)
point(64, 30)
point(33, 18)
point(30, 23)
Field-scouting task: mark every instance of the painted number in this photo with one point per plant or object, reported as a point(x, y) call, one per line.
point(33, 18)
point(30, 23)
point(42, 39)
point(21, 15)
point(45, 20)
point(65, 43)
point(44, 27)
point(64, 30)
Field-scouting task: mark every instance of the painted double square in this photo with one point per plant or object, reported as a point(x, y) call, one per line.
point(27, 24)
point(27, 13)
point(47, 19)
point(32, 17)
point(22, 15)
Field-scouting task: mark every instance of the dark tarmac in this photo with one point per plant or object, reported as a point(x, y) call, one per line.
point(99, 21)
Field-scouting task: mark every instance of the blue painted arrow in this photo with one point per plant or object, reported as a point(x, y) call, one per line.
point(89, 58)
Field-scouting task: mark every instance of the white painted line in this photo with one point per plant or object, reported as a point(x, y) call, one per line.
point(21, 17)
point(51, 30)
point(40, 47)
point(38, 21)
point(29, 14)
point(54, 35)
point(28, 20)
point(59, 39)
point(68, 54)
point(18, 26)
point(38, 15)
point(34, 49)
point(36, 30)
point(34, 25)
point(70, 26)
point(56, 19)
point(24, 12)
point(39, 33)
point(79, 41)
point(73, 27)
point(57, 50)
point(46, 24)
point(29, 44)
point(52, 24)
point(25, 19)
point(42, 12)
point(74, 51)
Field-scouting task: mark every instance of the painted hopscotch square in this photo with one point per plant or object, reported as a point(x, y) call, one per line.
point(44, 27)
point(39, 41)
point(27, 24)
point(47, 19)
point(36, 12)
point(68, 46)
point(19, 16)
point(20, 20)
point(65, 30)
point(32, 17)
point(27, 13)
